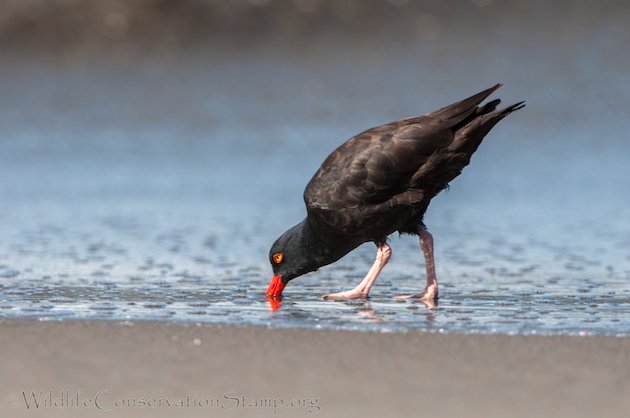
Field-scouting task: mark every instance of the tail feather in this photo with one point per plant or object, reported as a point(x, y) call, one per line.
point(470, 134)
point(459, 111)
point(488, 107)
point(490, 119)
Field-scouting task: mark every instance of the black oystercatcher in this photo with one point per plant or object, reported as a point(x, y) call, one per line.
point(379, 182)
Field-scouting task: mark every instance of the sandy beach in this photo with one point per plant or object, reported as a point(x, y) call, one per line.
point(109, 368)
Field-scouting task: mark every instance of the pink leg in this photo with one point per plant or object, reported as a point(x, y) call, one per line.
point(383, 254)
point(430, 292)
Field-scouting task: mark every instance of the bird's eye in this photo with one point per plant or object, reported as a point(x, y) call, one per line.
point(277, 258)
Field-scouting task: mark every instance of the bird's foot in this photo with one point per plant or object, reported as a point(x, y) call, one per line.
point(347, 294)
point(430, 294)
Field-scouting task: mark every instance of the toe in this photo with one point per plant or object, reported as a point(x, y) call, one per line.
point(345, 295)
point(332, 296)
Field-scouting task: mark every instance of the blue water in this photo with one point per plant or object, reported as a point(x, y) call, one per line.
point(142, 189)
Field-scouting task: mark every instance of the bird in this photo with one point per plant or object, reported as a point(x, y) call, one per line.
point(378, 182)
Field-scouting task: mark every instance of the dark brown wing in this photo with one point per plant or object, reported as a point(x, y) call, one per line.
point(374, 166)
point(370, 175)
point(391, 166)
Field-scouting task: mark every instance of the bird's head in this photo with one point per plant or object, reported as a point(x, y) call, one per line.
point(295, 253)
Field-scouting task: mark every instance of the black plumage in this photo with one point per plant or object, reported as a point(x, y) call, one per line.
point(379, 182)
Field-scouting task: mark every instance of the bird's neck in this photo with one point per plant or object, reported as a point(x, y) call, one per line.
point(326, 246)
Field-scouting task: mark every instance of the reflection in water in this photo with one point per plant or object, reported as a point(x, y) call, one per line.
point(428, 303)
point(362, 308)
point(275, 302)
point(366, 312)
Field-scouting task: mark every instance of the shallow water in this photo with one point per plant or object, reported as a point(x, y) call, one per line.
point(143, 189)
point(140, 265)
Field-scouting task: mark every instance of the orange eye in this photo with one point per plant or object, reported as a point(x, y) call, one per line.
point(277, 258)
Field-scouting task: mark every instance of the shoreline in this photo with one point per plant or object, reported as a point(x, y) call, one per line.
point(150, 368)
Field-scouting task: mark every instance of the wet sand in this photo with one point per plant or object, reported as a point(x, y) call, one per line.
point(206, 370)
